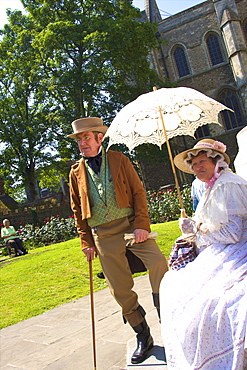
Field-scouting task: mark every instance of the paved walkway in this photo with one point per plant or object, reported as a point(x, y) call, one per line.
point(61, 338)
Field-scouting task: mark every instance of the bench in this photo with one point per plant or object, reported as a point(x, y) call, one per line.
point(8, 249)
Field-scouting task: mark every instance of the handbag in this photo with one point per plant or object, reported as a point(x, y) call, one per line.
point(183, 251)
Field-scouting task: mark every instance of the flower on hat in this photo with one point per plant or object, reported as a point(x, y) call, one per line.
point(219, 146)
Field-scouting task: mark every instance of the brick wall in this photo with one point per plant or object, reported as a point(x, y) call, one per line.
point(36, 213)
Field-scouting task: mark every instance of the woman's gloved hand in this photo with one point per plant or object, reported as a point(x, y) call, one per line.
point(187, 225)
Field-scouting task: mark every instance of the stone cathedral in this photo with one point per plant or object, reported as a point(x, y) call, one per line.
point(205, 48)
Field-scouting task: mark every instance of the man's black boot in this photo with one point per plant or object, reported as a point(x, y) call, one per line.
point(101, 275)
point(156, 299)
point(144, 342)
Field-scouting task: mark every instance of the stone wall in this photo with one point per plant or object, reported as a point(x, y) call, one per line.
point(189, 29)
point(157, 175)
point(36, 213)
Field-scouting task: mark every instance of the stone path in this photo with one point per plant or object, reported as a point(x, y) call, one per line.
point(61, 338)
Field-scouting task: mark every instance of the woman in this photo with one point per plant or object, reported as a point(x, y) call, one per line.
point(204, 305)
point(8, 233)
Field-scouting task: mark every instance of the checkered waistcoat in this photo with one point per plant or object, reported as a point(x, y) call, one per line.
point(103, 202)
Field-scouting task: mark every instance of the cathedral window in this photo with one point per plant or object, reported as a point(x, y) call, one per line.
point(181, 62)
point(214, 49)
point(202, 131)
point(231, 119)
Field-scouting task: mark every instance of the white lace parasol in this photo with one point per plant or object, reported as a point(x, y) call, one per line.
point(160, 115)
point(183, 110)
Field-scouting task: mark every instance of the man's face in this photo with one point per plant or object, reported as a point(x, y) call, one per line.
point(6, 223)
point(87, 143)
point(203, 167)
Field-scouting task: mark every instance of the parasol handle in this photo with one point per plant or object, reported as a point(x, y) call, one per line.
point(183, 214)
point(171, 160)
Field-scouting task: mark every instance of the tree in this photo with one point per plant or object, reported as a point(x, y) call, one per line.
point(25, 107)
point(94, 53)
point(66, 59)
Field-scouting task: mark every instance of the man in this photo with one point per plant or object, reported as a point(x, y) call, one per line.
point(108, 200)
point(8, 233)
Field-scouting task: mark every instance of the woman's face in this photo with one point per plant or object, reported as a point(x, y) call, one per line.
point(6, 223)
point(203, 167)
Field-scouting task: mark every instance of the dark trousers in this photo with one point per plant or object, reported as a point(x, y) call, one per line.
point(16, 243)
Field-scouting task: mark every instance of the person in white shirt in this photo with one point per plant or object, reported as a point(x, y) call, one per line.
point(9, 234)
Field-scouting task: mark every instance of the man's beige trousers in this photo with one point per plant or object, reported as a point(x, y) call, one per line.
point(111, 248)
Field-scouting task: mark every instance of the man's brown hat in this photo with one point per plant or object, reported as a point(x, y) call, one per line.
point(87, 124)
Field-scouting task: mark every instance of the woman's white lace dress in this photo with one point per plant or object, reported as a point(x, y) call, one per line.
point(204, 305)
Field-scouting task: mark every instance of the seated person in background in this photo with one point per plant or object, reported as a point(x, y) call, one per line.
point(203, 305)
point(197, 190)
point(8, 233)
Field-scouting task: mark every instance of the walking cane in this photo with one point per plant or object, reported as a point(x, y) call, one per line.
point(92, 312)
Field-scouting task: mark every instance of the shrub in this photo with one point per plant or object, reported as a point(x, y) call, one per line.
point(164, 205)
point(53, 230)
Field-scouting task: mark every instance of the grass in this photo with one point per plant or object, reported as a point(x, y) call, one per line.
point(52, 275)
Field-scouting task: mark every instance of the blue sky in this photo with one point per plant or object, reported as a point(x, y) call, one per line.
point(166, 6)
point(169, 7)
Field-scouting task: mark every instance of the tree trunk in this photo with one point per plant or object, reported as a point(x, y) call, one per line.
point(31, 185)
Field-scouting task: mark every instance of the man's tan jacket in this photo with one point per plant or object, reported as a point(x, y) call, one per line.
point(129, 192)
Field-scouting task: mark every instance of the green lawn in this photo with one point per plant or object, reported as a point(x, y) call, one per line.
point(56, 274)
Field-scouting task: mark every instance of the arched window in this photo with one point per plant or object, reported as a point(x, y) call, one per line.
point(181, 62)
point(231, 119)
point(214, 49)
point(202, 131)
